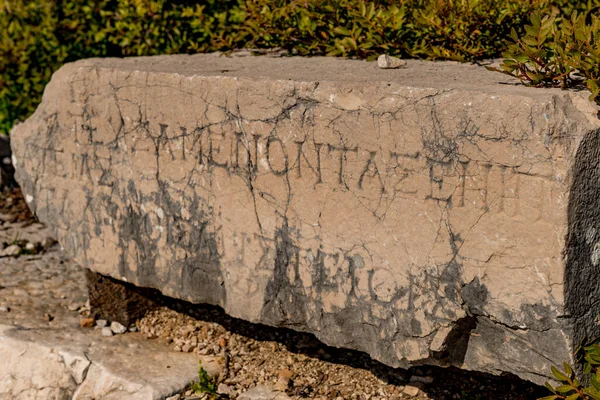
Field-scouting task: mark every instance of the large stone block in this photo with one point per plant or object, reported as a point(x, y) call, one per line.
point(422, 215)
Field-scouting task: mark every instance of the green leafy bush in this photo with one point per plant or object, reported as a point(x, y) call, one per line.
point(433, 29)
point(38, 36)
point(561, 53)
point(571, 388)
point(27, 43)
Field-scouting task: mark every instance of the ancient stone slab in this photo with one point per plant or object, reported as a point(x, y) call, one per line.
point(439, 213)
point(56, 359)
point(75, 364)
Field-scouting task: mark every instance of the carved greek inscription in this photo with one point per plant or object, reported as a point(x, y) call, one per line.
point(310, 163)
point(343, 158)
point(371, 172)
point(276, 156)
point(451, 183)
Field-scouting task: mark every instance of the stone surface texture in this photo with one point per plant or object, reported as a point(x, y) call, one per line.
point(55, 359)
point(439, 213)
point(74, 364)
point(263, 393)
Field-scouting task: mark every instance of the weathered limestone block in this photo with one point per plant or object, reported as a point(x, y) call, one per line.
point(422, 215)
point(68, 363)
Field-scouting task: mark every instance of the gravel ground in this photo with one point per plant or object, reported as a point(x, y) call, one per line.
point(303, 367)
point(241, 355)
point(39, 285)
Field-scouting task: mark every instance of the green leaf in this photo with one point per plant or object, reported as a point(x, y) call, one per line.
point(564, 389)
point(557, 374)
point(567, 368)
point(549, 387)
point(342, 31)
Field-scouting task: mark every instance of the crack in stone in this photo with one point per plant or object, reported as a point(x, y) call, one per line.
point(335, 206)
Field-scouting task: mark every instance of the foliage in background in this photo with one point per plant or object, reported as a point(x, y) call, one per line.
point(571, 388)
point(38, 36)
point(28, 43)
point(434, 29)
point(557, 52)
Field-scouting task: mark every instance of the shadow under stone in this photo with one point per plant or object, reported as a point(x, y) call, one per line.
point(449, 383)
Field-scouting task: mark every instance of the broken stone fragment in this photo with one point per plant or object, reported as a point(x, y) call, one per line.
point(11, 251)
point(263, 392)
point(86, 322)
point(224, 389)
point(101, 323)
point(117, 328)
point(414, 390)
point(420, 216)
point(67, 363)
point(388, 62)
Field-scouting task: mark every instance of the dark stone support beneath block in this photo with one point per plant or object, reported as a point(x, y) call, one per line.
point(119, 301)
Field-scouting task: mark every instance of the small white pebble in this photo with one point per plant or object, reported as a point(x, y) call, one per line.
point(387, 62)
point(117, 328)
point(101, 323)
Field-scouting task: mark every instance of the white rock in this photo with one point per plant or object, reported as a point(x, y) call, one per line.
point(412, 390)
point(65, 362)
point(387, 62)
point(224, 389)
point(117, 328)
point(262, 392)
point(106, 331)
point(101, 323)
point(11, 251)
point(77, 363)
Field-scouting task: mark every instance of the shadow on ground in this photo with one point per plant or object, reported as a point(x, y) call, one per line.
point(448, 383)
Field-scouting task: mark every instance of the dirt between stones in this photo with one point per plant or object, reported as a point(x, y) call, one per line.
point(241, 354)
